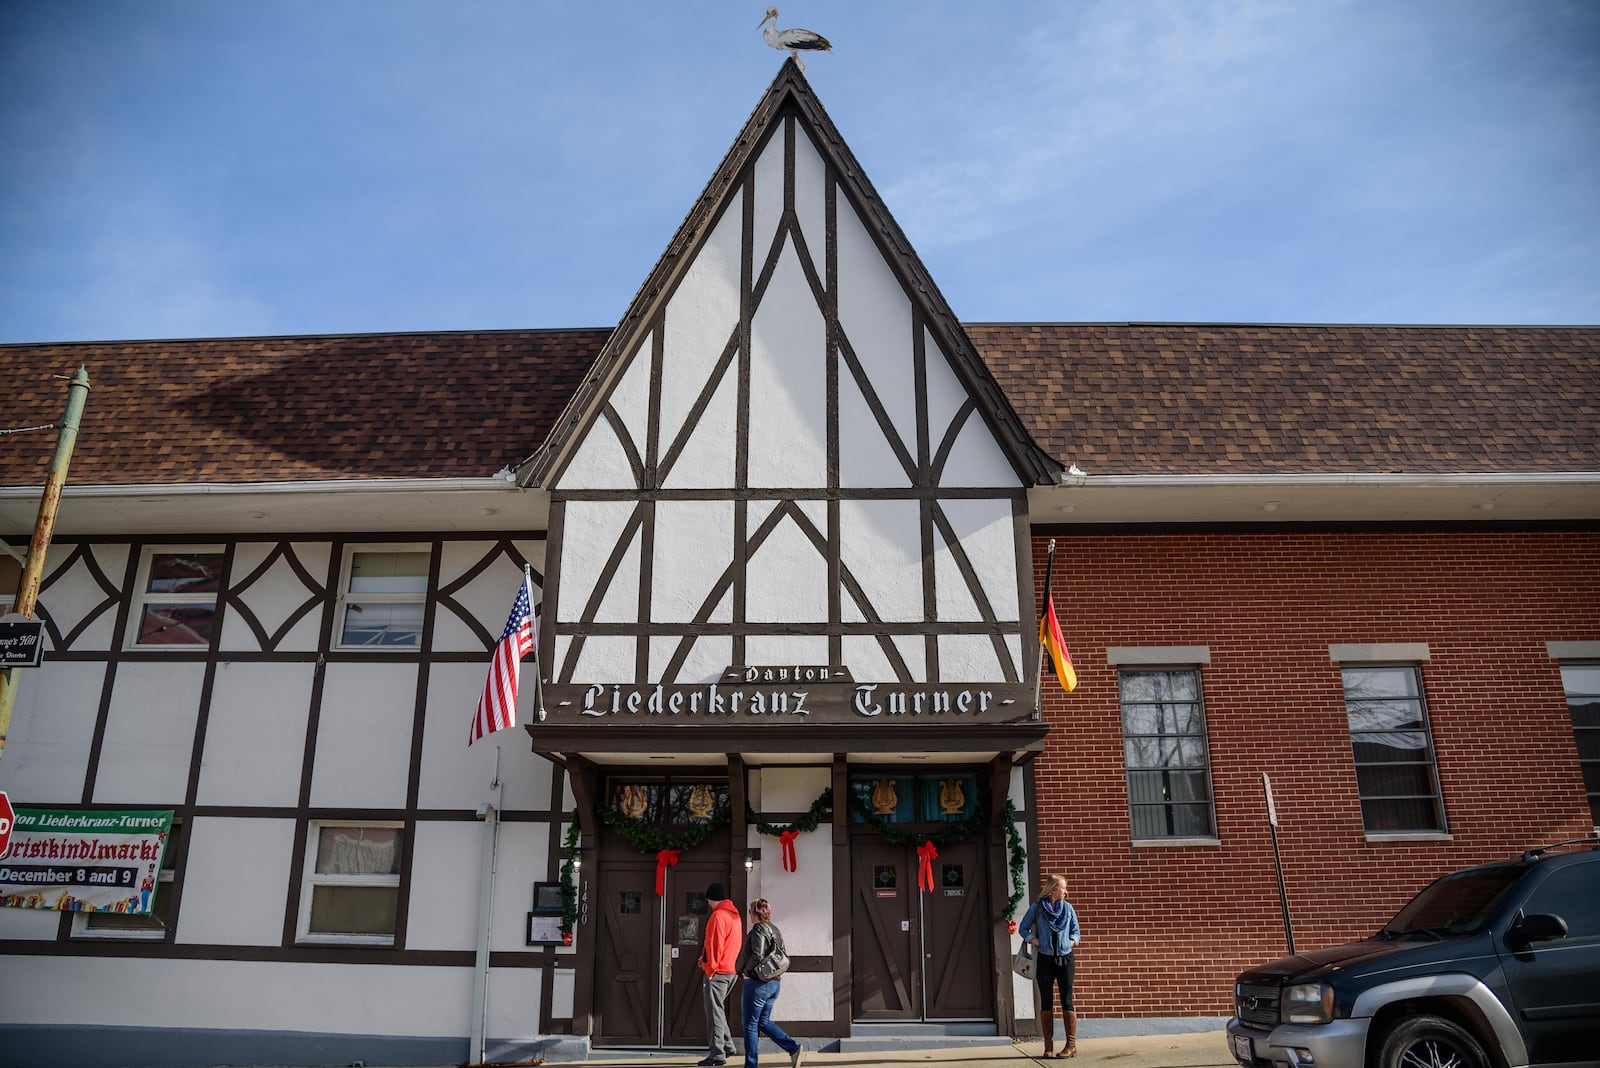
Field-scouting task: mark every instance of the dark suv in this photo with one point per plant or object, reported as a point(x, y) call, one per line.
point(1496, 966)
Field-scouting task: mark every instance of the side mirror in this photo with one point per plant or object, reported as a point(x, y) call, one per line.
point(1540, 927)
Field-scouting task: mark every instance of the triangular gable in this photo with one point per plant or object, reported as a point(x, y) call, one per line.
point(712, 229)
point(788, 454)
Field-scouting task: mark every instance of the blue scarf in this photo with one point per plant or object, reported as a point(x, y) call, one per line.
point(1055, 914)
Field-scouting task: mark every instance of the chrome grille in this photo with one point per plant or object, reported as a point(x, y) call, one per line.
point(1257, 1004)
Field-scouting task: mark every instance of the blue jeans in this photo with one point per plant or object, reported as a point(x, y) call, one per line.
point(757, 1000)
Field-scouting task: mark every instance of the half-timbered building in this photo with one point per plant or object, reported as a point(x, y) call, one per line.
point(788, 523)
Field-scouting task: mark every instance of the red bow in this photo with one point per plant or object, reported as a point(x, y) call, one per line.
point(786, 839)
point(925, 858)
point(664, 860)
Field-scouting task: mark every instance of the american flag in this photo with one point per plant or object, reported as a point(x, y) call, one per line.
point(497, 708)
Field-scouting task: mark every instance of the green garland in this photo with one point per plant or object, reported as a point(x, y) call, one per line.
point(648, 838)
point(820, 808)
point(569, 892)
point(1019, 862)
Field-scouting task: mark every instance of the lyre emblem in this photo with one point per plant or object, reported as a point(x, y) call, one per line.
point(634, 801)
point(884, 798)
point(952, 798)
point(701, 802)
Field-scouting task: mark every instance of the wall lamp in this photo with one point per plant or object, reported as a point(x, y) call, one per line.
point(749, 860)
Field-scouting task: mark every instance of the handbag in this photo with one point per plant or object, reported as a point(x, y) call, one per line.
point(1026, 961)
point(776, 962)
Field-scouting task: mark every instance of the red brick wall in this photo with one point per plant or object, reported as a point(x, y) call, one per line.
point(1166, 929)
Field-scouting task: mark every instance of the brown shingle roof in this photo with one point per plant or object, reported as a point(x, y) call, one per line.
point(447, 405)
point(1121, 398)
point(1115, 398)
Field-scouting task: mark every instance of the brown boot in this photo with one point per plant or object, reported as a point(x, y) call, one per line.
point(1071, 1049)
point(1047, 1028)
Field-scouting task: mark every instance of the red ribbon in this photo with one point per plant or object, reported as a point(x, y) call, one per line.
point(926, 855)
point(664, 860)
point(786, 839)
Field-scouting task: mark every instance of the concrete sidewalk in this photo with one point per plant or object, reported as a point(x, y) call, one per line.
point(1196, 1049)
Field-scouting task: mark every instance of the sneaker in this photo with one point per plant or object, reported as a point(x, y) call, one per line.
point(797, 1058)
point(709, 1061)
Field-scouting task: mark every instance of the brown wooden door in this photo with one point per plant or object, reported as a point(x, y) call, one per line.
point(647, 982)
point(884, 920)
point(955, 936)
point(627, 979)
point(919, 955)
point(687, 910)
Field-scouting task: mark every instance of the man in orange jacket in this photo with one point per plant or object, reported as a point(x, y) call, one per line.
point(719, 955)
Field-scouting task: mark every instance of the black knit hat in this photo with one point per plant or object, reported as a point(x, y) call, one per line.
point(715, 892)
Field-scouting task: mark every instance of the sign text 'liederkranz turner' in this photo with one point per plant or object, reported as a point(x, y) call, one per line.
point(794, 704)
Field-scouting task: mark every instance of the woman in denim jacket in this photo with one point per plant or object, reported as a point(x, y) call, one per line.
point(1051, 923)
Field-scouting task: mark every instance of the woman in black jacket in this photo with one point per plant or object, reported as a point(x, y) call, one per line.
point(764, 954)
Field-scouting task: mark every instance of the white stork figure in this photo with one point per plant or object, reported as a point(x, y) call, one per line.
point(793, 41)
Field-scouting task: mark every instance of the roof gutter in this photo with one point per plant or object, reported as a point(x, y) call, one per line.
point(1487, 478)
point(503, 482)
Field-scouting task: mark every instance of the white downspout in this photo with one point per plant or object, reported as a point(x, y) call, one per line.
point(480, 978)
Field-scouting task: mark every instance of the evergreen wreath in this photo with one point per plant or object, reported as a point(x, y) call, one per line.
point(569, 892)
point(820, 809)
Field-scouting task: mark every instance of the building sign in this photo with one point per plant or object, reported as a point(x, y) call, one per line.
point(21, 642)
point(78, 860)
point(791, 702)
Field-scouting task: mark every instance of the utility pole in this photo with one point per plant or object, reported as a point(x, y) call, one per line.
point(43, 527)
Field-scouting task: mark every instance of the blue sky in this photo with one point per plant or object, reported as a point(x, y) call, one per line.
point(209, 168)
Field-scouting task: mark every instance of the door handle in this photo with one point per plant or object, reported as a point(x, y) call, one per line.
point(666, 962)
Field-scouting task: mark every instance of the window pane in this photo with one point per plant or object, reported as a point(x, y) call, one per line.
point(185, 573)
point(389, 573)
point(1160, 686)
point(1172, 821)
point(1176, 718)
point(382, 624)
point(1145, 787)
point(947, 797)
point(363, 910)
point(358, 851)
point(695, 802)
point(1410, 814)
point(1395, 780)
point(176, 624)
point(1387, 748)
point(1365, 684)
point(1581, 678)
point(1384, 715)
point(1585, 713)
point(1164, 752)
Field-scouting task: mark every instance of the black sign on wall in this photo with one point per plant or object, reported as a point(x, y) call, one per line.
point(21, 643)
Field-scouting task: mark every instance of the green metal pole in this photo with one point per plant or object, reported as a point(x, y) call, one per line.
point(43, 527)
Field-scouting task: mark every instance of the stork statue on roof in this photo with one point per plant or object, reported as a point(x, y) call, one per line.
point(793, 41)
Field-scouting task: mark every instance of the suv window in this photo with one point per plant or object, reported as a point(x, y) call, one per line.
point(1456, 904)
point(1569, 893)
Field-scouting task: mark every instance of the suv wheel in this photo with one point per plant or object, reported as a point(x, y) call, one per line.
point(1430, 1042)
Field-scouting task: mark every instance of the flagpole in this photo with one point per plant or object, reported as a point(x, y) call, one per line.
point(1038, 677)
point(538, 680)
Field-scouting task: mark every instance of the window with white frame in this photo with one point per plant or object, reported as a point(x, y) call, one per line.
point(1168, 762)
point(176, 606)
point(1396, 773)
point(151, 926)
point(352, 883)
point(381, 604)
point(1582, 684)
